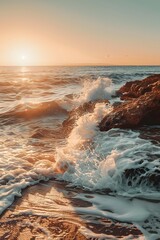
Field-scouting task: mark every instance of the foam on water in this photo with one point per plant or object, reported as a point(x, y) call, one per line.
point(19, 176)
point(81, 135)
point(102, 88)
point(112, 160)
point(90, 90)
point(118, 160)
point(17, 173)
point(94, 209)
point(143, 214)
point(86, 125)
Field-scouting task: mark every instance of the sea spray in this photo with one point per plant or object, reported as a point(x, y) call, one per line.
point(31, 172)
point(99, 89)
point(87, 125)
point(102, 88)
point(117, 159)
point(80, 137)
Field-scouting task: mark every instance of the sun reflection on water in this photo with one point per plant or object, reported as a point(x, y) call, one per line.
point(23, 72)
point(24, 69)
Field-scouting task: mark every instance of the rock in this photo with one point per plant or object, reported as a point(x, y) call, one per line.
point(142, 106)
point(138, 88)
point(74, 115)
point(142, 175)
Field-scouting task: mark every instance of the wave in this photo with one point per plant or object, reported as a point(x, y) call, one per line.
point(91, 90)
point(25, 173)
point(102, 88)
point(81, 135)
point(21, 175)
point(29, 111)
point(117, 160)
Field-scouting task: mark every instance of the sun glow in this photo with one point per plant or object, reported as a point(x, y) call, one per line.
point(23, 56)
point(24, 59)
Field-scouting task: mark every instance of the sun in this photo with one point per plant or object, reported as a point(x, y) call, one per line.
point(23, 57)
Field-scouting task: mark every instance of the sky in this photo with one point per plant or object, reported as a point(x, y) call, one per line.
point(79, 32)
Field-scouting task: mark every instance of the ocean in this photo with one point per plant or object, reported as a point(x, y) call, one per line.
point(38, 145)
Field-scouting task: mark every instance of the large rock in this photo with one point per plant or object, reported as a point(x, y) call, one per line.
point(138, 88)
point(142, 106)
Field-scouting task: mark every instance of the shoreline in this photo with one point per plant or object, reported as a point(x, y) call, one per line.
point(29, 218)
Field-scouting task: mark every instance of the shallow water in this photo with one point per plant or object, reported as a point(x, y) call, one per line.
point(35, 145)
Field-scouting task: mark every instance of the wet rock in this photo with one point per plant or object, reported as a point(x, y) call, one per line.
point(141, 108)
point(138, 88)
point(143, 176)
point(87, 107)
point(151, 133)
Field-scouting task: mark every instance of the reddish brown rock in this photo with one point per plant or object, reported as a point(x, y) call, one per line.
point(142, 107)
point(138, 88)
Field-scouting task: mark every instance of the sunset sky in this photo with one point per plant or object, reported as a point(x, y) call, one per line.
point(79, 32)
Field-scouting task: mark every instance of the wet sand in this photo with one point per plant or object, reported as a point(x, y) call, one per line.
point(39, 214)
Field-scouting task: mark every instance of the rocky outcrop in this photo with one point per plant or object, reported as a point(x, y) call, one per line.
point(141, 106)
point(138, 88)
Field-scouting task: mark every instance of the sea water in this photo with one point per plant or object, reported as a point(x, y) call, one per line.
point(34, 145)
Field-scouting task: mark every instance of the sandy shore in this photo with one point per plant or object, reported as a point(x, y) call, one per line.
point(39, 214)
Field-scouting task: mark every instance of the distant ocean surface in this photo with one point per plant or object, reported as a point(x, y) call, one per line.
point(35, 145)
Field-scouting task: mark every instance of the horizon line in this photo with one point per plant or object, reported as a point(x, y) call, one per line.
point(86, 65)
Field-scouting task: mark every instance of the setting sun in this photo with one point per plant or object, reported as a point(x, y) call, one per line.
point(23, 57)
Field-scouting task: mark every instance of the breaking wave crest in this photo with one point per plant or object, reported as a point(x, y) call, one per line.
point(101, 88)
point(80, 137)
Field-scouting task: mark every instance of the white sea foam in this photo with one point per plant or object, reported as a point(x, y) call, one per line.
point(91, 90)
point(89, 159)
point(103, 163)
point(145, 215)
point(82, 134)
point(21, 175)
point(102, 88)
point(18, 174)
point(96, 160)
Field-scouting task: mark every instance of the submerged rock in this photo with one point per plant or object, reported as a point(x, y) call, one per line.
point(141, 108)
point(74, 115)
